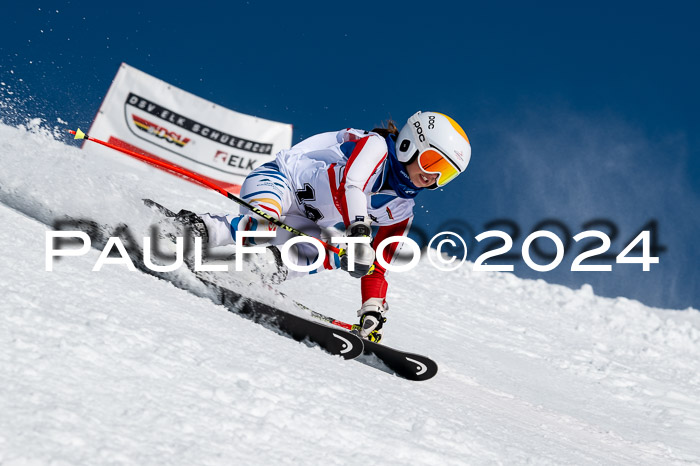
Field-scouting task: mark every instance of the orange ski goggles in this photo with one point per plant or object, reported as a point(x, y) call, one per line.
point(433, 161)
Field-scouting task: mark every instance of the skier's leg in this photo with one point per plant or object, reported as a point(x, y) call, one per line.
point(266, 188)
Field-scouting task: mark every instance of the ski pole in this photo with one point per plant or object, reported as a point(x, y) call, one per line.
point(172, 167)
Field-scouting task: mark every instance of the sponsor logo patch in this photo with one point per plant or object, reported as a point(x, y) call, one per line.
point(159, 131)
point(237, 161)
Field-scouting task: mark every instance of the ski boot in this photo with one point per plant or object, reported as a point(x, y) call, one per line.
point(372, 320)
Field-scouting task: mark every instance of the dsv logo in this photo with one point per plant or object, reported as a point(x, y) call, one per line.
point(159, 131)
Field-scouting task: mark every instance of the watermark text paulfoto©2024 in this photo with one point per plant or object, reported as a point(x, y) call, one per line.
point(436, 251)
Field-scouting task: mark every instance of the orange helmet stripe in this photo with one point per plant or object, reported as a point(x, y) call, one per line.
point(456, 126)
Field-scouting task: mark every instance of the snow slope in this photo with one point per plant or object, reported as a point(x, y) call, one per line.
point(121, 367)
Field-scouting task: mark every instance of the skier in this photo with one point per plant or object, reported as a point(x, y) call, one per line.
point(351, 176)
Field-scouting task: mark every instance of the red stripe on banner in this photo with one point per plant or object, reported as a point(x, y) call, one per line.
point(234, 188)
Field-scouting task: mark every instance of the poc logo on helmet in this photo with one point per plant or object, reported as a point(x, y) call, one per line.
point(419, 131)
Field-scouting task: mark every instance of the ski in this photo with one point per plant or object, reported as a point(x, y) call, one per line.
point(403, 364)
point(335, 341)
point(409, 366)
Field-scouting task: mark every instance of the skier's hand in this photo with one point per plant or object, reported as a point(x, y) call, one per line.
point(364, 253)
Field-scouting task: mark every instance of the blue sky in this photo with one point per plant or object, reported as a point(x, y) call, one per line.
point(574, 113)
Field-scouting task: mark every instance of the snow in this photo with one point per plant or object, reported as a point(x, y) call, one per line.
point(121, 367)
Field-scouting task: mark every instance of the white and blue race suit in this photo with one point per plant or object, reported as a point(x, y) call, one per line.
point(330, 178)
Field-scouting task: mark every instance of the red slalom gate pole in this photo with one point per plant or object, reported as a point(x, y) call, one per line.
point(169, 166)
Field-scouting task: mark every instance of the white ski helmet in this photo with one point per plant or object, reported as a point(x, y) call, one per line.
point(440, 144)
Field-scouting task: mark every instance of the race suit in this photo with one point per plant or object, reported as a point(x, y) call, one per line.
point(325, 180)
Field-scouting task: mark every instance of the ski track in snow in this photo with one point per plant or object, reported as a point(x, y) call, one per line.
point(121, 367)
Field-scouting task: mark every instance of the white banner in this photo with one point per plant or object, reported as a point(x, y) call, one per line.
point(147, 115)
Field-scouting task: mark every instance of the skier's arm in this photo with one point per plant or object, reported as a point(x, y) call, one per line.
point(374, 285)
point(365, 158)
